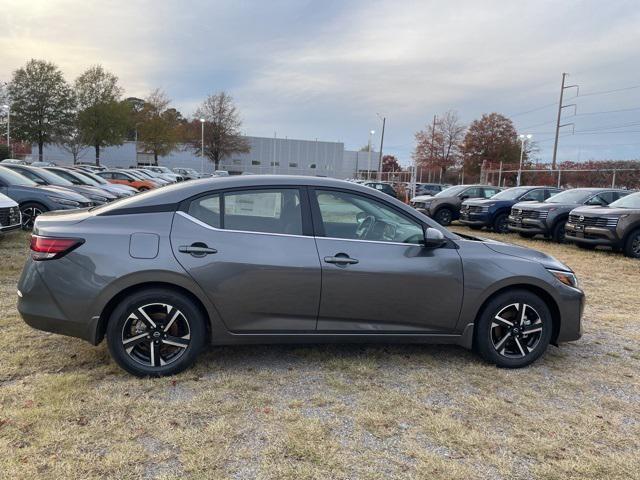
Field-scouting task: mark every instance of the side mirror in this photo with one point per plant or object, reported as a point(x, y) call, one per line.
point(433, 238)
point(464, 197)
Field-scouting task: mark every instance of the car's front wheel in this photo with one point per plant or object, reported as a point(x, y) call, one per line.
point(444, 216)
point(514, 329)
point(30, 211)
point(156, 332)
point(501, 223)
point(632, 245)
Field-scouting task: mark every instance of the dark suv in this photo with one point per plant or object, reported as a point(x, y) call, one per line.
point(445, 206)
point(382, 187)
point(549, 217)
point(616, 226)
point(429, 188)
point(494, 212)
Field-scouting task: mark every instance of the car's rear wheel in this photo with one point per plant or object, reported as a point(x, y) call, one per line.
point(30, 211)
point(501, 223)
point(632, 245)
point(514, 329)
point(444, 216)
point(156, 332)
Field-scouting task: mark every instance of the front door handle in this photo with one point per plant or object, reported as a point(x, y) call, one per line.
point(197, 249)
point(341, 259)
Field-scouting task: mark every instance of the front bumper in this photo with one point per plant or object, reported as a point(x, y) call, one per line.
point(591, 235)
point(475, 219)
point(571, 305)
point(9, 228)
point(424, 211)
point(527, 225)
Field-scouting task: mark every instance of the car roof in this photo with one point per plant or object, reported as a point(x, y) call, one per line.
point(177, 192)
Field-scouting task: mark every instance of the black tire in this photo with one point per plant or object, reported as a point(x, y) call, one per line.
point(180, 340)
point(29, 211)
point(526, 235)
point(558, 234)
point(444, 216)
point(632, 245)
point(502, 345)
point(501, 223)
point(586, 246)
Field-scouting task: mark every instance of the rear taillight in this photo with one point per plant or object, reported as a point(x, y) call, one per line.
point(48, 248)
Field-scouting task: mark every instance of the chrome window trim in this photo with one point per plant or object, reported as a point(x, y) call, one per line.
point(205, 225)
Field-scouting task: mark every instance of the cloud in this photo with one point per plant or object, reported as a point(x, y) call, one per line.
point(324, 69)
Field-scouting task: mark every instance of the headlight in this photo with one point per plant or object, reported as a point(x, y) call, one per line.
point(568, 278)
point(64, 201)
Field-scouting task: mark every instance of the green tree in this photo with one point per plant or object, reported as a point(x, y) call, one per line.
point(41, 103)
point(103, 119)
point(158, 125)
point(222, 135)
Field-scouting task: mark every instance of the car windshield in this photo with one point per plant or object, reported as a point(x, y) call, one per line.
point(630, 201)
point(52, 178)
point(452, 191)
point(77, 177)
point(571, 196)
point(510, 193)
point(12, 178)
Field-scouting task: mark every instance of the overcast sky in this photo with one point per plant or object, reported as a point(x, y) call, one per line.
point(323, 69)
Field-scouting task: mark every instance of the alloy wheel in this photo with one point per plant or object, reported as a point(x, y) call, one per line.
point(635, 246)
point(444, 217)
point(156, 334)
point(29, 215)
point(516, 330)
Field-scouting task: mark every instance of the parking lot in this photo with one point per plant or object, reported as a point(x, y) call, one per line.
point(66, 410)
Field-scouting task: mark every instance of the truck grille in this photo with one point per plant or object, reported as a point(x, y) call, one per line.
point(522, 213)
point(9, 216)
point(593, 221)
point(472, 208)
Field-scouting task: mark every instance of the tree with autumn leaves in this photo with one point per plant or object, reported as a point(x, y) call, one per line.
point(487, 141)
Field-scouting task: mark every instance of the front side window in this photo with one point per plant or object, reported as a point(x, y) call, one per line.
point(356, 217)
point(534, 195)
point(266, 211)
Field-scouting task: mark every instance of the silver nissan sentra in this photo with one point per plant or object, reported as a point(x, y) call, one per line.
point(285, 259)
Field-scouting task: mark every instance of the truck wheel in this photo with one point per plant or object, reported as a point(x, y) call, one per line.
point(558, 232)
point(501, 223)
point(444, 216)
point(632, 245)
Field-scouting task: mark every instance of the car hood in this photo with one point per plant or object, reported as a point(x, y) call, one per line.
point(545, 260)
point(597, 211)
point(62, 192)
point(487, 202)
point(421, 198)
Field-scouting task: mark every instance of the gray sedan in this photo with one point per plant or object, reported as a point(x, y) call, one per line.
point(266, 259)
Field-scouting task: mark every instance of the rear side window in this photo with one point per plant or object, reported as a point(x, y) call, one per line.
point(266, 211)
point(490, 192)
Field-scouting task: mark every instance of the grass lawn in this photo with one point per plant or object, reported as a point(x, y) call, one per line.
point(369, 412)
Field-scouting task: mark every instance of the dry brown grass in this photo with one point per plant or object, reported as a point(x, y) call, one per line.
point(370, 412)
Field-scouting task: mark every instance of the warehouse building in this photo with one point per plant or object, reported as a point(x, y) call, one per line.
point(266, 155)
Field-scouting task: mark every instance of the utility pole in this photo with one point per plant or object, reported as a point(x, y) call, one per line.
point(384, 121)
point(563, 87)
point(433, 137)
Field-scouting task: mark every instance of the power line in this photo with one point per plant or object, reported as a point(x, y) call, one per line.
point(604, 92)
point(534, 110)
point(607, 111)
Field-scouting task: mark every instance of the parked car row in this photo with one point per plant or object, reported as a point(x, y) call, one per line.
point(588, 217)
point(39, 189)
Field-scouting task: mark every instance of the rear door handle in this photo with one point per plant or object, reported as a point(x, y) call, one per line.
point(197, 249)
point(341, 260)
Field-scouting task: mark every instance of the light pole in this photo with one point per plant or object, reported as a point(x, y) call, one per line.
point(371, 133)
point(523, 140)
point(384, 121)
point(202, 146)
point(8, 107)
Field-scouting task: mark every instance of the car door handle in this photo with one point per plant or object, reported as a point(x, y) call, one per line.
point(197, 249)
point(341, 260)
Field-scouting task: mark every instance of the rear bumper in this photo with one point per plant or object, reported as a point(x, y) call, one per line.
point(592, 235)
point(39, 309)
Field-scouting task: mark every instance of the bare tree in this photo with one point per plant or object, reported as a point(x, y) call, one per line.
point(439, 146)
point(158, 125)
point(221, 129)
